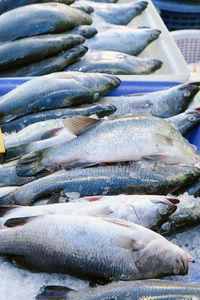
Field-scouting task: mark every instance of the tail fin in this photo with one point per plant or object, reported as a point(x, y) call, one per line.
point(30, 164)
point(53, 292)
point(13, 153)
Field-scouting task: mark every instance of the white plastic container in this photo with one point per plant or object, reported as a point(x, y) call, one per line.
point(188, 42)
point(164, 48)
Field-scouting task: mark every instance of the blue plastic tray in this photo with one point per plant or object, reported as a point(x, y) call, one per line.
point(126, 87)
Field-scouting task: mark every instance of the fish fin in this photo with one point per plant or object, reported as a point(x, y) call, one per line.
point(157, 156)
point(14, 152)
point(30, 164)
point(51, 133)
point(14, 222)
point(54, 292)
point(101, 212)
point(76, 123)
point(6, 208)
point(78, 165)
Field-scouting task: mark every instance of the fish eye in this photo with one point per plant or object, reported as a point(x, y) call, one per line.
point(191, 118)
point(176, 271)
point(162, 211)
point(186, 94)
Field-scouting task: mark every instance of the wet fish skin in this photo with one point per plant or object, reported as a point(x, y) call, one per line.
point(32, 49)
point(100, 110)
point(186, 215)
point(6, 5)
point(139, 289)
point(8, 176)
point(148, 211)
point(86, 31)
point(119, 14)
point(48, 65)
point(186, 121)
point(142, 177)
point(115, 63)
point(56, 90)
point(192, 189)
point(163, 142)
point(40, 19)
point(163, 104)
point(108, 248)
point(126, 40)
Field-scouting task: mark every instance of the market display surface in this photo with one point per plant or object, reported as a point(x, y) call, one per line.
point(99, 188)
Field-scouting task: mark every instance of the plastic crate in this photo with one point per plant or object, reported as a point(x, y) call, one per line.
point(188, 42)
point(179, 14)
point(126, 87)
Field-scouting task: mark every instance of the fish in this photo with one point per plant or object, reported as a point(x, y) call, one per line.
point(47, 65)
point(86, 31)
point(33, 49)
point(125, 139)
point(6, 190)
point(186, 215)
point(141, 177)
point(6, 5)
point(138, 289)
point(40, 18)
point(162, 104)
point(114, 13)
point(115, 63)
point(126, 40)
point(149, 211)
point(41, 135)
point(100, 110)
point(56, 90)
point(186, 121)
point(104, 248)
point(8, 176)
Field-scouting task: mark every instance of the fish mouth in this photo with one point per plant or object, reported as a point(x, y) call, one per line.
point(186, 259)
point(168, 205)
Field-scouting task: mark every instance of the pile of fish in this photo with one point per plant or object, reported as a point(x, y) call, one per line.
point(85, 183)
point(58, 36)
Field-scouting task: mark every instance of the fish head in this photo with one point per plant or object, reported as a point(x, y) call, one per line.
point(179, 97)
point(162, 258)
point(193, 115)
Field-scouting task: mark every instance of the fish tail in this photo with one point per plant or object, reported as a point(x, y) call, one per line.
point(30, 164)
point(53, 292)
point(14, 152)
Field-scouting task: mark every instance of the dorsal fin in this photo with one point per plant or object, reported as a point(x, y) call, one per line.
point(6, 208)
point(13, 222)
point(76, 123)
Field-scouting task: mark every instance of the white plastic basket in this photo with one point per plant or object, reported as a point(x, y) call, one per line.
point(188, 42)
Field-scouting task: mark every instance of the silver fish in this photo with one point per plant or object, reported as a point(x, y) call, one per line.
point(149, 211)
point(90, 247)
point(116, 63)
point(39, 19)
point(163, 104)
point(142, 177)
point(138, 290)
point(119, 14)
point(126, 40)
point(56, 90)
point(100, 110)
point(125, 139)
